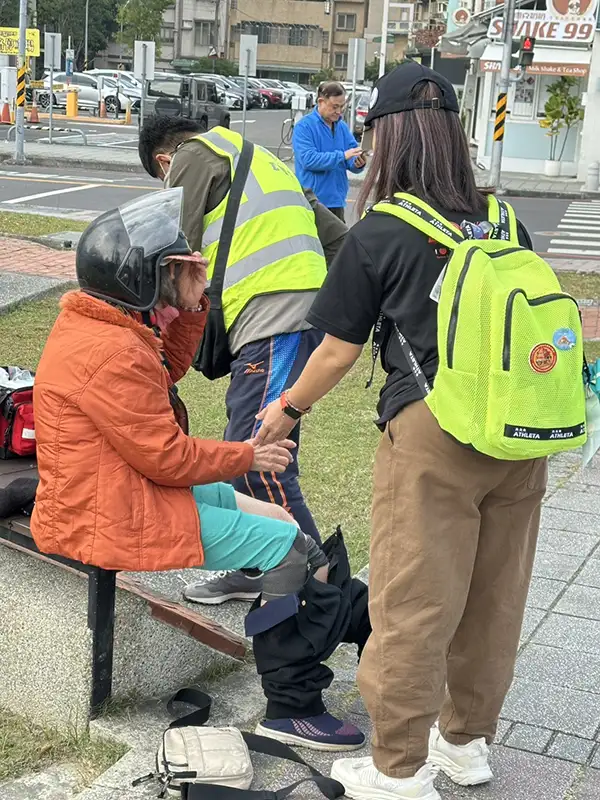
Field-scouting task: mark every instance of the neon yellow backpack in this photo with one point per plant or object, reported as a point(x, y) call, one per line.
point(510, 376)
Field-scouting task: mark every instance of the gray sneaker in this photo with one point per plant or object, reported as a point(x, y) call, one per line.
point(224, 586)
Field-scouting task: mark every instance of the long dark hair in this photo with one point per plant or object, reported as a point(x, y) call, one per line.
point(424, 152)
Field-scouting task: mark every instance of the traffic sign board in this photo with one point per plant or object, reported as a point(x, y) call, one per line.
point(9, 42)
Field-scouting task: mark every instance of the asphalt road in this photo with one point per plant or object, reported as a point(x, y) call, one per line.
point(263, 127)
point(54, 191)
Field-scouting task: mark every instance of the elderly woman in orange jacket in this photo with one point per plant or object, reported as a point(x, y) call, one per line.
point(122, 484)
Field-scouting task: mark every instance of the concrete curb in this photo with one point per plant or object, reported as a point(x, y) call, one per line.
point(60, 284)
point(76, 163)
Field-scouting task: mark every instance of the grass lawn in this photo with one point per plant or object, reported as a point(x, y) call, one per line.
point(35, 225)
point(339, 438)
point(26, 748)
point(581, 285)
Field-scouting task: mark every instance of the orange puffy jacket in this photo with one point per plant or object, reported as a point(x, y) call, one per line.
point(115, 467)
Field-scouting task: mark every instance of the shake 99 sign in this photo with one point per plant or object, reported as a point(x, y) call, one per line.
point(563, 21)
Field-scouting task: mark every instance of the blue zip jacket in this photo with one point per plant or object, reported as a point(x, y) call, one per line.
point(319, 158)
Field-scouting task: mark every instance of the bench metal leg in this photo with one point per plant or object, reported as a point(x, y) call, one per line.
point(101, 621)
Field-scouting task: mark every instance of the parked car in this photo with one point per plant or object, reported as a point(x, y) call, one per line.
point(270, 97)
point(300, 91)
point(88, 95)
point(126, 83)
point(362, 109)
point(271, 83)
point(230, 96)
point(189, 96)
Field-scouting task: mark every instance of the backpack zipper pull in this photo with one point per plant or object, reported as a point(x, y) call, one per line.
point(143, 779)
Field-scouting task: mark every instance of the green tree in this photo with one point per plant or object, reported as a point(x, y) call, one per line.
point(323, 75)
point(562, 110)
point(68, 18)
point(372, 69)
point(142, 20)
point(217, 66)
point(9, 13)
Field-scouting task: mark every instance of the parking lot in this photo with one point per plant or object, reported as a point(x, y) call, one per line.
point(263, 127)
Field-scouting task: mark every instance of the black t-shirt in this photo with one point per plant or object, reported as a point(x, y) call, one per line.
point(385, 265)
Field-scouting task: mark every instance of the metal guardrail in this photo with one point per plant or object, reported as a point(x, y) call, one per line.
point(47, 128)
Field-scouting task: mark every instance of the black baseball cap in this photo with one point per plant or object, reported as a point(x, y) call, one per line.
point(394, 92)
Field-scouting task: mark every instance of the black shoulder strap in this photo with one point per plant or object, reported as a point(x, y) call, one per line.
point(193, 697)
point(234, 198)
point(330, 788)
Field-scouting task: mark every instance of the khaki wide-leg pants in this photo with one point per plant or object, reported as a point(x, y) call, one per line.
point(453, 540)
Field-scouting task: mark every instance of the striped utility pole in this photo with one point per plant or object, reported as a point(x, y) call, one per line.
point(21, 72)
point(503, 84)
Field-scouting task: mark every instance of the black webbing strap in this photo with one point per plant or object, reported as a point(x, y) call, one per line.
point(330, 788)
point(217, 281)
point(193, 697)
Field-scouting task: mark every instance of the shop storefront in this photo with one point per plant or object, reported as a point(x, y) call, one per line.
point(563, 47)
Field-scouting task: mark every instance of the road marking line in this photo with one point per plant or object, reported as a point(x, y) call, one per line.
point(574, 252)
point(574, 241)
point(577, 232)
point(115, 144)
point(50, 194)
point(99, 183)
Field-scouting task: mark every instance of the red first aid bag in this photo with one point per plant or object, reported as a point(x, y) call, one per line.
point(17, 430)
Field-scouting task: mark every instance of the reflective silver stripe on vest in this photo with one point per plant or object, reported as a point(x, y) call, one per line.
point(222, 143)
point(293, 245)
point(248, 210)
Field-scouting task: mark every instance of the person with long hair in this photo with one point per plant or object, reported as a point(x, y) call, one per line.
point(453, 530)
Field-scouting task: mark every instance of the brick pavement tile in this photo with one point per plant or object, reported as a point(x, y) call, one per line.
point(596, 764)
point(555, 707)
point(30, 258)
point(504, 726)
point(571, 748)
point(590, 574)
point(589, 788)
point(569, 520)
point(567, 542)
point(530, 738)
point(543, 592)
point(532, 618)
point(574, 498)
point(518, 776)
point(580, 601)
point(560, 667)
point(573, 633)
point(557, 566)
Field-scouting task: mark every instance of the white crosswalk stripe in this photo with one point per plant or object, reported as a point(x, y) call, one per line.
point(579, 230)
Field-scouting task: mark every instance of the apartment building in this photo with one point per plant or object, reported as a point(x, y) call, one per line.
point(413, 27)
point(297, 38)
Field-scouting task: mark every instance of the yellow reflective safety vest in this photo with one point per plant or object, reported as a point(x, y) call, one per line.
point(275, 245)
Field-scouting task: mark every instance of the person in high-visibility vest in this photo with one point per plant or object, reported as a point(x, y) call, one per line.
point(282, 242)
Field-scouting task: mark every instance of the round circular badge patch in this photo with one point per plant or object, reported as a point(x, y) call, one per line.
point(543, 358)
point(564, 339)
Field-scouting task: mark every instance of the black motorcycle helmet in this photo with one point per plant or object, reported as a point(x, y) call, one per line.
point(119, 255)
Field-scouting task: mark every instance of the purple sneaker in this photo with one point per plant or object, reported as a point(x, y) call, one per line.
point(323, 732)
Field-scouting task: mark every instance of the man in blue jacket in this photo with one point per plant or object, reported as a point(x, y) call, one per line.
point(324, 149)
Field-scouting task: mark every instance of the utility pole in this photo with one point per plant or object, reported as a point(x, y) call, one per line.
point(217, 38)
point(20, 115)
point(384, 35)
point(86, 35)
point(501, 101)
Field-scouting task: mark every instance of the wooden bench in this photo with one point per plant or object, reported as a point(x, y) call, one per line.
point(15, 533)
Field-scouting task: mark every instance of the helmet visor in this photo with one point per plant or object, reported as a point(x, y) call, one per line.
point(153, 222)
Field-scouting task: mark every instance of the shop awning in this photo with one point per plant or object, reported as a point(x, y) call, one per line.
point(571, 61)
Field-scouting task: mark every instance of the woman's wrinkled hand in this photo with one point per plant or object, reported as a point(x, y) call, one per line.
point(276, 425)
point(275, 457)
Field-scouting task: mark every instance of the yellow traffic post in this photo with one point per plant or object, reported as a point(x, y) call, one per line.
point(128, 113)
point(72, 103)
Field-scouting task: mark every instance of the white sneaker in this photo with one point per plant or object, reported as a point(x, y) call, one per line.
point(465, 764)
point(363, 781)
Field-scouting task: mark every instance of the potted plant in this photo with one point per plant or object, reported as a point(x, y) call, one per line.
point(562, 111)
